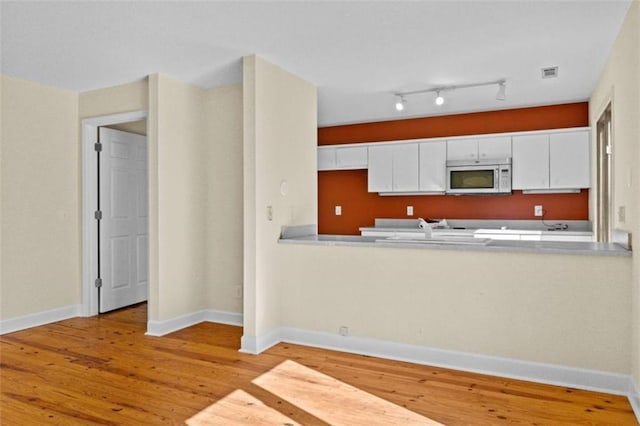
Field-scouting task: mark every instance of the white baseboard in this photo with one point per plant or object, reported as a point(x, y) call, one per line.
point(160, 328)
point(477, 363)
point(222, 317)
point(255, 345)
point(634, 397)
point(39, 318)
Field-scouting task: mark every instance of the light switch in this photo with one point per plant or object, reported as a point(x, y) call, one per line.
point(409, 210)
point(622, 214)
point(338, 210)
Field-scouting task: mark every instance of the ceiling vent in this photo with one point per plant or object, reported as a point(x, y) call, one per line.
point(551, 72)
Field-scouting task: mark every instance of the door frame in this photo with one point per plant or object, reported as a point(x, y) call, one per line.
point(604, 172)
point(89, 128)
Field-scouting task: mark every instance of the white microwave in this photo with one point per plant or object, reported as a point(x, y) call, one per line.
point(479, 177)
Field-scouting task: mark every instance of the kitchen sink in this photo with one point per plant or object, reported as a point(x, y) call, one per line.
point(437, 241)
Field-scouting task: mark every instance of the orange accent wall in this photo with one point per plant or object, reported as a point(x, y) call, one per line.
point(508, 120)
point(348, 188)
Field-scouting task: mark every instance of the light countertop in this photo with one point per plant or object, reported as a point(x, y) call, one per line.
point(305, 235)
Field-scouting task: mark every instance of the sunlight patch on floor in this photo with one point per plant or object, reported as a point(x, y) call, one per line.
point(239, 408)
point(333, 401)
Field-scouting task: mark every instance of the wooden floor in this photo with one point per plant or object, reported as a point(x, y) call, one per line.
point(104, 370)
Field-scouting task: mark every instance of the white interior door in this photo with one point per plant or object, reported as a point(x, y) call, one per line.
point(123, 227)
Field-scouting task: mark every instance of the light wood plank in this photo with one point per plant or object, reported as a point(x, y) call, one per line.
point(104, 370)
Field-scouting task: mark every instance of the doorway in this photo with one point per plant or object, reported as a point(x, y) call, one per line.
point(604, 187)
point(115, 211)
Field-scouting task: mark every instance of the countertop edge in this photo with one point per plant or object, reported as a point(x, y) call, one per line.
point(497, 246)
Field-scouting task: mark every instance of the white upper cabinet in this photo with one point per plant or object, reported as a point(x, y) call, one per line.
point(326, 158)
point(530, 167)
point(494, 148)
point(554, 161)
point(433, 174)
point(393, 168)
point(551, 161)
point(405, 167)
point(354, 157)
point(569, 160)
point(342, 158)
point(464, 149)
point(380, 176)
point(479, 149)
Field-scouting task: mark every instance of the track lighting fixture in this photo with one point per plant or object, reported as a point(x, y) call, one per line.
point(501, 95)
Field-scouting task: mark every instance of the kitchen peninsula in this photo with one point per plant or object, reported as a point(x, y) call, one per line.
point(454, 239)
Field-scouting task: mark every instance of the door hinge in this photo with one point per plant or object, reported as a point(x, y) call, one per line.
point(98, 282)
point(608, 149)
point(98, 215)
point(97, 146)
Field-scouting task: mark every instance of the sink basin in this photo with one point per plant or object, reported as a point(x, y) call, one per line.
point(437, 241)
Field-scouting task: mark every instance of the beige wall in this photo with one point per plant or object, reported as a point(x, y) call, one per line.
point(224, 266)
point(619, 84)
point(558, 309)
point(40, 199)
point(280, 138)
point(178, 183)
point(195, 183)
point(113, 100)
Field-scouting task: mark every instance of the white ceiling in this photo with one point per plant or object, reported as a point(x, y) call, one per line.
point(358, 53)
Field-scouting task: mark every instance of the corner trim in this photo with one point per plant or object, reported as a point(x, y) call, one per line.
point(39, 318)
point(552, 374)
point(160, 328)
point(257, 344)
point(634, 397)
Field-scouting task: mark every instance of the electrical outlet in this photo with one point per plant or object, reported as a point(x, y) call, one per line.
point(409, 210)
point(338, 210)
point(269, 213)
point(344, 331)
point(537, 210)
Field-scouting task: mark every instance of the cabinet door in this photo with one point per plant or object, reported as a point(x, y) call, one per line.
point(569, 160)
point(353, 157)
point(380, 174)
point(326, 158)
point(530, 168)
point(465, 149)
point(494, 148)
point(405, 167)
point(433, 174)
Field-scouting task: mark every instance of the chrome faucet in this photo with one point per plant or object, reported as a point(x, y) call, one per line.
point(423, 224)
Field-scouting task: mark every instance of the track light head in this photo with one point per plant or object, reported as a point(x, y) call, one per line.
point(439, 101)
point(502, 89)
